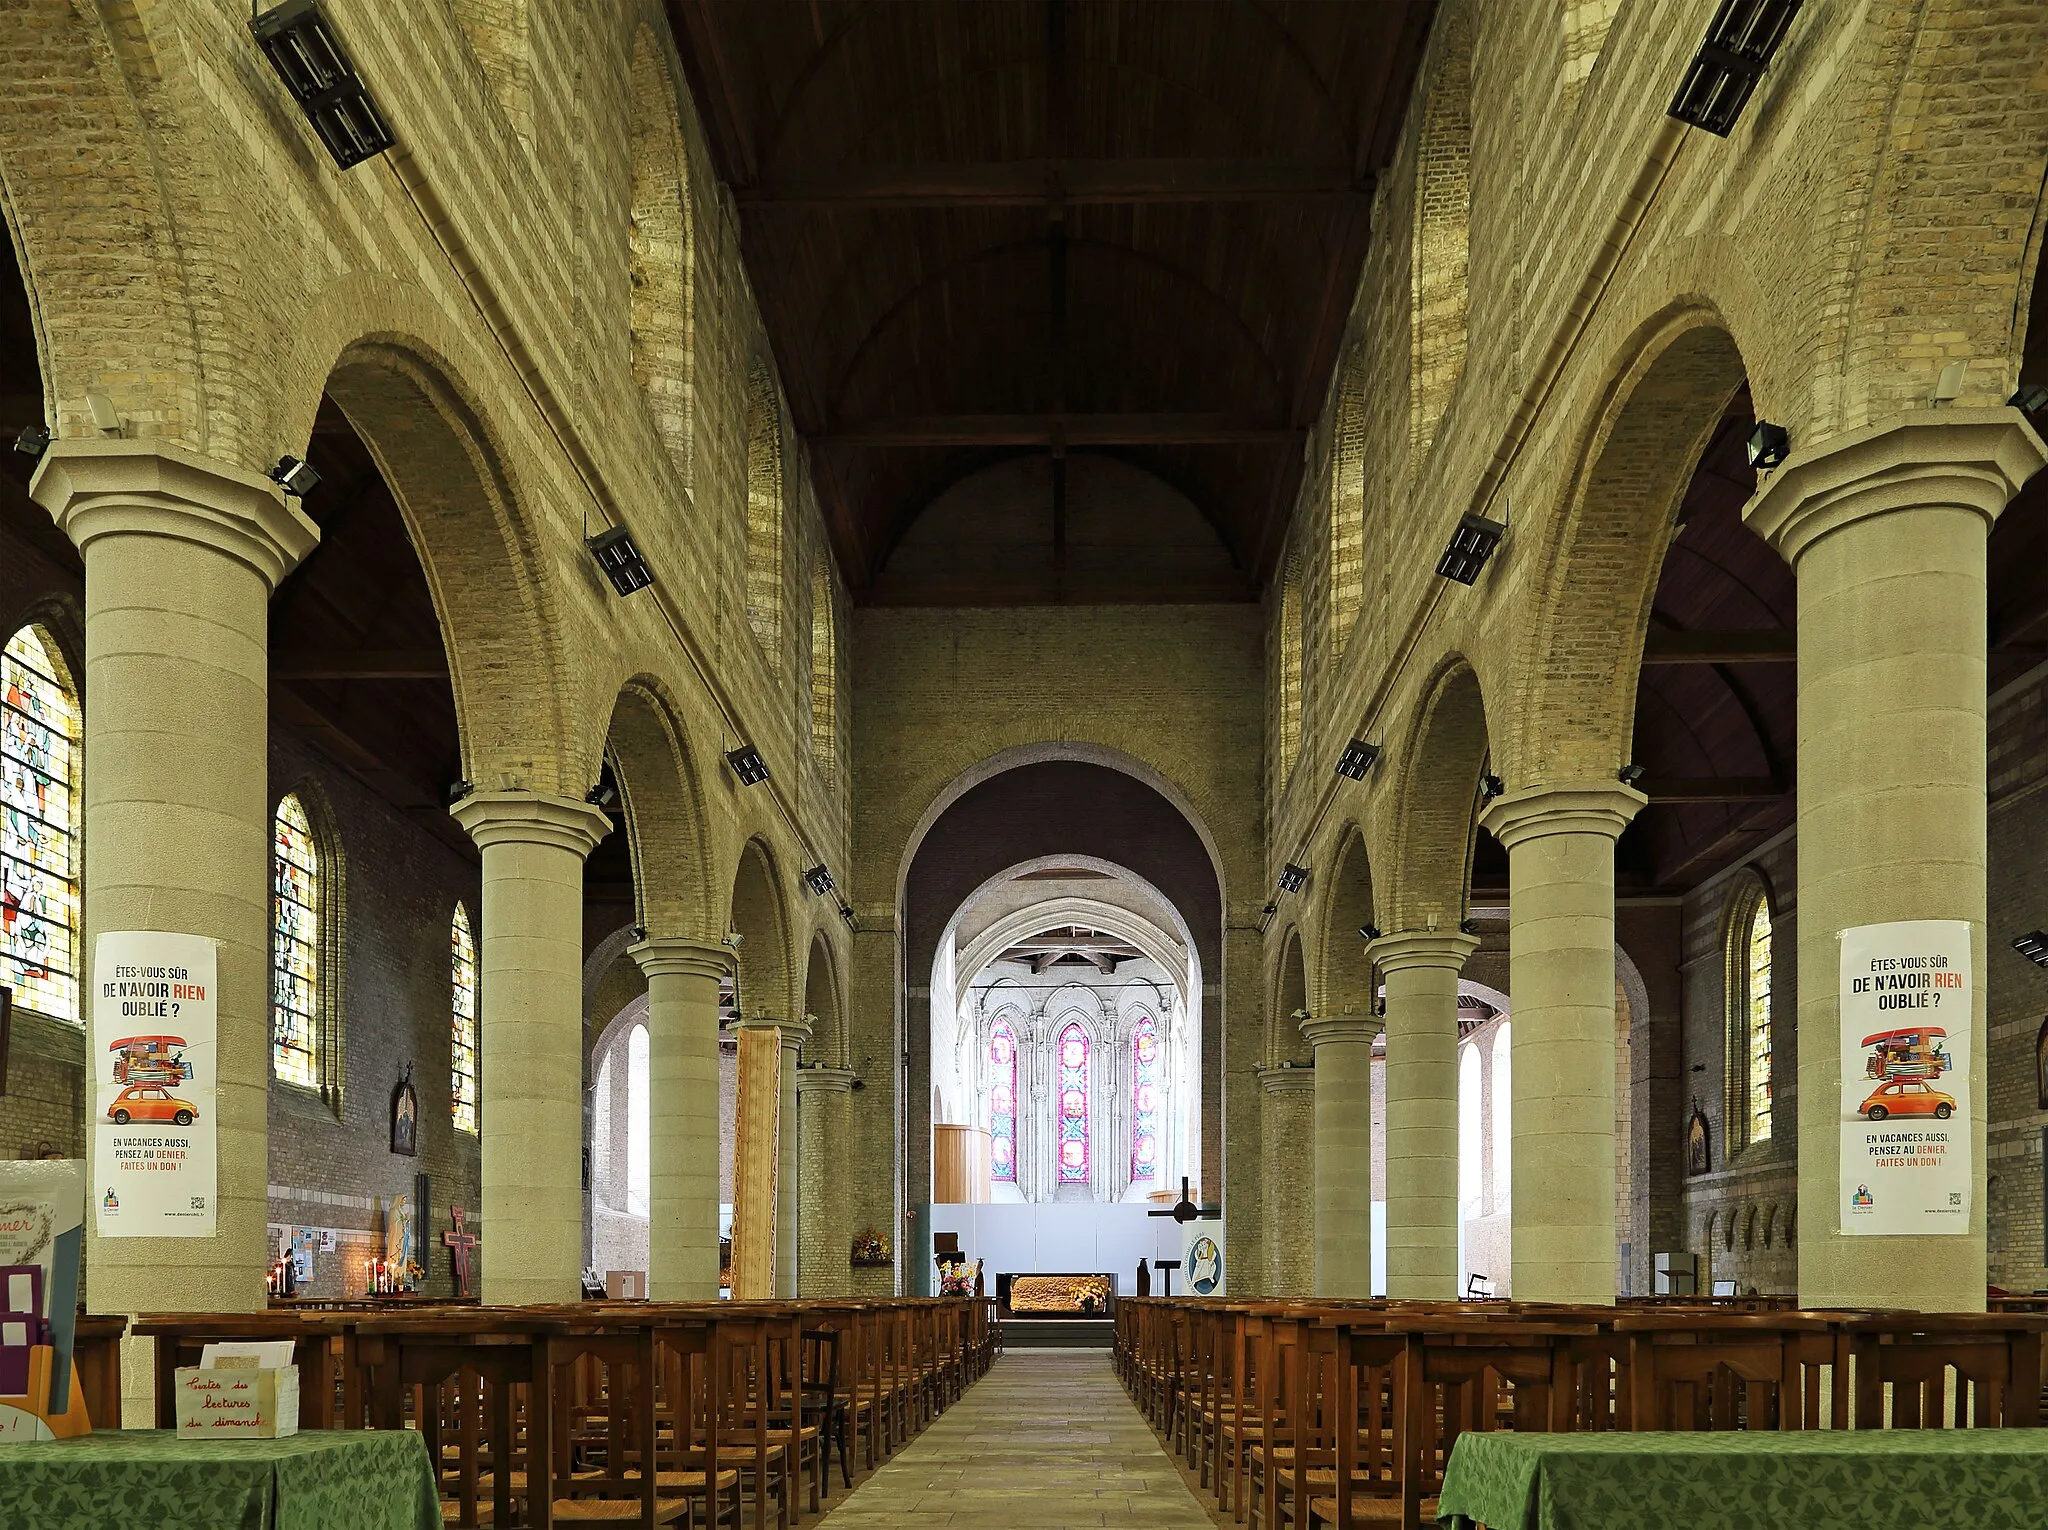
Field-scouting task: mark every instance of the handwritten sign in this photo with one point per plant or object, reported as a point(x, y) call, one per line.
point(227, 1403)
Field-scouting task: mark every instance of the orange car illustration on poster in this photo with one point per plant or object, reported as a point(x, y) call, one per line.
point(150, 1067)
point(1905, 1063)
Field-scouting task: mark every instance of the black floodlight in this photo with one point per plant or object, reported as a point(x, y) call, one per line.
point(1768, 445)
point(2031, 400)
point(1468, 926)
point(637, 934)
point(2034, 947)
point(1357, 759)
point(620, 560)
point(747, 764)
point(316, 69)
point(296, 478)
point(819, 880)
point(457, 790)
point(602, 795)
point(1732, 58)
point(1270, 910)
point(1293, 878)
point(1629, 774)
point(1368, 932)
point(1491, 786)
point(1471, 545)
point(32, 442)
point(846, 912)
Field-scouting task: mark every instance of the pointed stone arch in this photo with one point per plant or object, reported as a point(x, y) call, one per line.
point(821, 1003)
point(760, 916)
point(1346, 985)
point(1286, 1043)
point(666, 824)
point(1436, 810)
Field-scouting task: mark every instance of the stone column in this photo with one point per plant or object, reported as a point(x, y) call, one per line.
point(530, 975)
point(824, 1226)
point(1343, 1152)
point(181, 555)
point(682, 1126)
point(1288, 1133)
point(795, 1033)
point(1885, 528)
point(1560, 844)
point(1421, 970)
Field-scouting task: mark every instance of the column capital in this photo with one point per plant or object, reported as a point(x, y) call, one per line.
point(1287, 1079)
point(1422, 948)
point(1571, 807)
point(665, 956)
point(823, 1080)
point(1971, 459)
point(531, 818)
point(1337, 1030)
point(795, 1033)
point(94, 488)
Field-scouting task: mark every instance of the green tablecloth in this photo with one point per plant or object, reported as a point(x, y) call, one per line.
point(1870, 1479)
point(149, 1479)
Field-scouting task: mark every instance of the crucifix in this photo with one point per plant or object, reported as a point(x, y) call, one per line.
point(460, 1242)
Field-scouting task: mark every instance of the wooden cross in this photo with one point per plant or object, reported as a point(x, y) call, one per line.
point(460, 1241)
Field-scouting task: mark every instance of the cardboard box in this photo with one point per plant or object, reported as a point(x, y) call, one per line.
point(255, 1403)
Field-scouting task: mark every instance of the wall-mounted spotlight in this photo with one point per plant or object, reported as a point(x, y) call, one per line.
point(1368, 932)
point(602, 795)
point(2034, 947)
point(852, 919)
point(457, 790)
point(637, 934)
point(32, 442)
point(2031, 400)
point(318, 72)
point(620, 560)
point(1768, 445)
point(747, 764)
point(1490, 786)
point(819, 880)
point(1471, 545)
point(296, 478)
point(1737, 49)
point(1357, 759)
point(1269, 910)
point(1468, 926)
point(1293, 878)
point(1629, 774)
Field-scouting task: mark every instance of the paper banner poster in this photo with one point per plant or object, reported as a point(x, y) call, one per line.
point(152, 1056)
point(1906, 1106)
point(1201, 1262)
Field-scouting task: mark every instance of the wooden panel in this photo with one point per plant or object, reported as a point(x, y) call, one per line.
point(960, 1170)
point(756, 1156)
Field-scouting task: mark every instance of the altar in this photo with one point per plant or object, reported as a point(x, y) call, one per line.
point(1059, 1244)
point(1054, 1296)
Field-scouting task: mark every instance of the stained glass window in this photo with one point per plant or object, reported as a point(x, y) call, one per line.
point(1073, 1105)
point(1758, 953)
point(462, 1024)
point(38, 880)
point(294, 946)
point(1144, 1099)
point(1002, 1104)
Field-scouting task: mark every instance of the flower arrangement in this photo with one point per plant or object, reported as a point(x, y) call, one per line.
point(870, 1248)
point(956, 1280)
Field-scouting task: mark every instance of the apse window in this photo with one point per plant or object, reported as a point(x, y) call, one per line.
point(1749, 1015)
point(462, 1022)
point(1073, 1106)
point(294, 946)
point(38, 865)
point(1002, 1104)
point(1144, 1099)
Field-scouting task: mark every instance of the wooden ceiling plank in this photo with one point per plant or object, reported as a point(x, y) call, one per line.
point(1034, 182)
point(358, 664)
point(1166, 429)
point(1682, 789)
point(1768, 645)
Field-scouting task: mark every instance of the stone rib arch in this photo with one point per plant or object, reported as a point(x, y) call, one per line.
point(666, 823)
point(760, 914)
point(1285, 1043)
point(1345, 983)
point(1602, 555)
point(1436, 811)
point(481, 553)
point(822, 989)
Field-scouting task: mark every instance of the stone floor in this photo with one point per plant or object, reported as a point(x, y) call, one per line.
point(1046, 1439)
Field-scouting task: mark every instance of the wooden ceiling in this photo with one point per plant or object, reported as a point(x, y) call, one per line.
point(982, 228)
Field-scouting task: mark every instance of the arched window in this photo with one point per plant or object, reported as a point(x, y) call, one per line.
point(764, 513)
point(824, 672)
point(38, 856)
point(639, 1121)
point(1347, 506)
point(662, 308)
point(462, 1021)
point(1002, 1104)
point(1442, 227)
point(1144, 1099)
point(1290, 670)
point(1503, 1119)
point(601, 1136)
point(294, 946)
point(1471, 1160)
point(1748, 967)
point(1072, 1097)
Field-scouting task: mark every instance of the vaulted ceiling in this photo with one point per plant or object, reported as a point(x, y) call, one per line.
point(1015, 227)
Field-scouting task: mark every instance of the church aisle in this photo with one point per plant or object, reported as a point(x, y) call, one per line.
point(1046, 1439)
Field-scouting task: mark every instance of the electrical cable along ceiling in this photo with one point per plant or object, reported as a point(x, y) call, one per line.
point(1049, 230)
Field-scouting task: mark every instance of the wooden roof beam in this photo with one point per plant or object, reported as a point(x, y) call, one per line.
point(358, 664)
point(1065, 429)
point(1035, 182)
point(1682, 789)
point(1767, 645)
